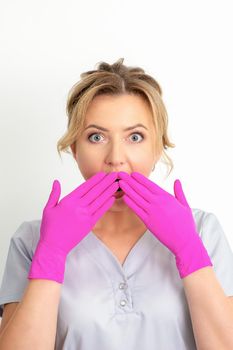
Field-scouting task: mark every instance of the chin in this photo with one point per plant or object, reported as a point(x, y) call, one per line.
point(119, 205)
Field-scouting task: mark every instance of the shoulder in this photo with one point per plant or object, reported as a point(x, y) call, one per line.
point(202, 216)
point(199, 216)
point(27, 234)
point(209, 227)
point(218, 247)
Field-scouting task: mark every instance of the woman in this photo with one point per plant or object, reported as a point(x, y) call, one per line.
point(119, 262)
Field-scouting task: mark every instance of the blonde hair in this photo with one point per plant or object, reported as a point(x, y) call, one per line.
point(115, 79)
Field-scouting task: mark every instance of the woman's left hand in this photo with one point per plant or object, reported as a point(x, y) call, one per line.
point(169, 218)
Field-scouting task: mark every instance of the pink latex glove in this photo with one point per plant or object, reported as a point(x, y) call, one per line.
point(66, 223)
point(169, 218)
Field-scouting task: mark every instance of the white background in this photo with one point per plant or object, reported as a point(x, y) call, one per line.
point(46, 45)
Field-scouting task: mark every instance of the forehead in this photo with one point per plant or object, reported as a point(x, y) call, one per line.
point(119, 109)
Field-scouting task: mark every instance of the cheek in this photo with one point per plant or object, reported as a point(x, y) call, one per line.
point(87, 166)
point(142, 159)
point(87, 156)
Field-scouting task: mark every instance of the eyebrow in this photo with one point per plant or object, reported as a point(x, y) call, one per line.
point(104, 129)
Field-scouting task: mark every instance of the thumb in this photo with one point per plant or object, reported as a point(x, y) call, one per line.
point(54, 195)
point(179, 194)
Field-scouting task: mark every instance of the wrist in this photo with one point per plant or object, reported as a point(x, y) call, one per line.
point(47, 263)
point(192, 257)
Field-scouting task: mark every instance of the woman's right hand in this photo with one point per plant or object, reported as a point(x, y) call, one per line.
point(66, 223)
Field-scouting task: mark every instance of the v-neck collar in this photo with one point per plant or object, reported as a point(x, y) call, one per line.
point(104, 256)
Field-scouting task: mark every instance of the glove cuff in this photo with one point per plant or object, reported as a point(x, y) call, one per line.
point(193, 257)
point(47, 263)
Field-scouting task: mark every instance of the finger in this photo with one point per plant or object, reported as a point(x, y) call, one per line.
point(133, 191)
point(102, 209)
point(54, 195)
point(99, 201)
point(99, 188)
point(139, 188)
point(179, 194)
point(82, 189)
point(139, 211)
point(143, 180)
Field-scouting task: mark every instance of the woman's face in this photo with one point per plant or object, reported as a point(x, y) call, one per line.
point(116, 149)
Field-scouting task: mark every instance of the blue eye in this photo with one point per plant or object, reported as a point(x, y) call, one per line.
point(92, 135)
point(138, 133)
point(135, 133)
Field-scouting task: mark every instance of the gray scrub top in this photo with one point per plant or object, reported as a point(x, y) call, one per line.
point(104, 305)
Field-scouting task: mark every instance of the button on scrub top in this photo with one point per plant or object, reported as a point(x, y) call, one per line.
point(105, 305)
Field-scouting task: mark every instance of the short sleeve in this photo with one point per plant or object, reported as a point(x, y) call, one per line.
point(219, 251)
point(18, 262)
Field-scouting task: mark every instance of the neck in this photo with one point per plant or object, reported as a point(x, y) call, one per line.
point(119, 224)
